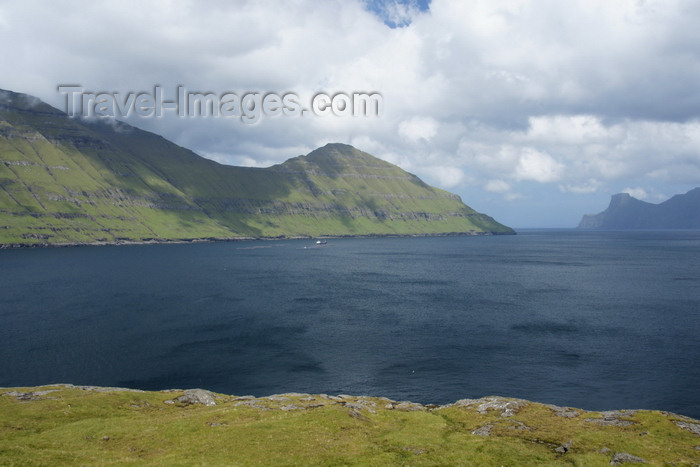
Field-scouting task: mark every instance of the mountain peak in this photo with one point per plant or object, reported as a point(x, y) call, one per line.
point(339, 149)
point(339, 158)
point(340, 152)
point(622, 199)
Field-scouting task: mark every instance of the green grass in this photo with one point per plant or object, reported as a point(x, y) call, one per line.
point(74, 426)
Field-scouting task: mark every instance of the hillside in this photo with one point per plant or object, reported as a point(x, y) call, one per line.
point(626, 212)
point(83, 425)
point(68, 181)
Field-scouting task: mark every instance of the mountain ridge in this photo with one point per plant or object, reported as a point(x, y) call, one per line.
point(628, 213)
point(72, 181)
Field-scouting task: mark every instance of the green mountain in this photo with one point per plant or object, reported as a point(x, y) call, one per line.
point(66, 181)
point(626, 212)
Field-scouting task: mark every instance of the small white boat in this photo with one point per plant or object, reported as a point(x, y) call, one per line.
point(321, 242)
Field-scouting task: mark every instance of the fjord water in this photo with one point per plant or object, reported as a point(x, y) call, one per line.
point(597, 320)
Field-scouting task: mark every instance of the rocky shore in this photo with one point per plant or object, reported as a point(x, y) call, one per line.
point(232, 239)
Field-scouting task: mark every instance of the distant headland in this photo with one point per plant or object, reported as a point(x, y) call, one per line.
point(627, 213)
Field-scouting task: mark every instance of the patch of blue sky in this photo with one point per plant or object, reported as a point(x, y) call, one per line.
point(397, 13)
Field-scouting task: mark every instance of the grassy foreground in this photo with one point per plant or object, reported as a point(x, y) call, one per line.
point(73, 425)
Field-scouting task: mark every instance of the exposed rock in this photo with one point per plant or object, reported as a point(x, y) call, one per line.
point(565, 412)
point(613, 418)
point(622, 457)
point(362, 405)
point(251, 403)
point(384, 399)
point(290, 407)
point(278, 398)
point(242, 398)
point(197, 396)
point(331, 398)
point(29, 396)
point(483, 430)
point(517, 425)
point(619, 413)
point(692, 427)
point(99, 388)
point(406, 406)
point(416, 451)
point(611, 422)
point(564, 448)
point(357, 414)
point(508, 407)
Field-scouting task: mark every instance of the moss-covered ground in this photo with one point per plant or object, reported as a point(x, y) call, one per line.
point(68, 425)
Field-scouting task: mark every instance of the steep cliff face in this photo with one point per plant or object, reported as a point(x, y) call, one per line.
point(65, 180)
point(626, 212)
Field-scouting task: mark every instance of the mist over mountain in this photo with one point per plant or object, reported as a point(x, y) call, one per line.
point(627, 212)
point(65, 180)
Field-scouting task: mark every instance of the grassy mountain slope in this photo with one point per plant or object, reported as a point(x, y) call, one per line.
point(66, 180)
point(68, 425)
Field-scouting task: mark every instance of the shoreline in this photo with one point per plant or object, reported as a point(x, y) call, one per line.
point(17, 246)
point(510, 405)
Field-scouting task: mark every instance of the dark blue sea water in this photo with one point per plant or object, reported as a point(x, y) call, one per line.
point(597, 320)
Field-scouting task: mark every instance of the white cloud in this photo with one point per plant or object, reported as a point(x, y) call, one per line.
point(576, 97)
point(537, 166)
point(445, 177)
point(497, 186)
point(569, 130)
point(418, 128)
point(638, 193)
point(586, 187)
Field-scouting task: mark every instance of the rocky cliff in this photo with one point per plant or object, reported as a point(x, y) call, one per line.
point(626, 212)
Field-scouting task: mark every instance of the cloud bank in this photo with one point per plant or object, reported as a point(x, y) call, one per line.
point(533, 111)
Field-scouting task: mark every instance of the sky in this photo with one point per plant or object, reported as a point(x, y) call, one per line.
point(533, 111)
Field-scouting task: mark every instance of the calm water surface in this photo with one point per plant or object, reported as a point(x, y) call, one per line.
point(597, 320)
